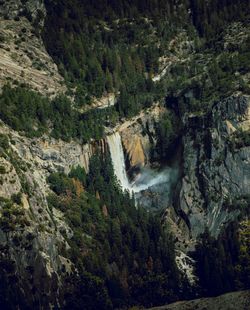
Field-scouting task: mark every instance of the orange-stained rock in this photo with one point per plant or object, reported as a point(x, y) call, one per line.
point(105, 210)
point(97, 195)
point(134, 150)
point(78, 186)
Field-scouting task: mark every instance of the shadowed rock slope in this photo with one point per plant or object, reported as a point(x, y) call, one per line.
point(229, 301)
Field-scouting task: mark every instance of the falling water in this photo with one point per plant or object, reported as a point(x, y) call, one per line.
point(147, 178)
point(118, 160)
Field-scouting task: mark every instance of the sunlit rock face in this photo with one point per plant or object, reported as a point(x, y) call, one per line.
point(139, 138)
point(23, 21)
point(131, 147)
point(135, 152)
point(152, 188)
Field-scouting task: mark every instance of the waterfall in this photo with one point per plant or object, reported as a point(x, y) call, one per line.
point(118, 160)
point(146, 179)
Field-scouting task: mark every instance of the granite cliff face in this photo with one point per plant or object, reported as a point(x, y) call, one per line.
point(215, 166)
point(33, 239)
point(139, 137)
point(23, 57)
point(216, 170)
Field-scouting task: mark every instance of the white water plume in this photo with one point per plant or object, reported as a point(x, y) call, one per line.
point(149, 178)
point(118, 160)
point(146, 179)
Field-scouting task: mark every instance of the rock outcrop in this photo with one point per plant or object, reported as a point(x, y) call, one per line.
point(139, 137)
point(229, 301)
point(23, 57)
point(33, 238)
point(14, 9)
point(216, 172)
point(135, 152)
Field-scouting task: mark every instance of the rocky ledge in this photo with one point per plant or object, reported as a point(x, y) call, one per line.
point(229, 301)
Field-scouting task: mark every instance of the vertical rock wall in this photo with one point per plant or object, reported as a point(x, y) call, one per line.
point(216, 181)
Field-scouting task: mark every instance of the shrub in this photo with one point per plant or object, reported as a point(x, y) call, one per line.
point(4, 141)
point(2, 170)
point(17, 198)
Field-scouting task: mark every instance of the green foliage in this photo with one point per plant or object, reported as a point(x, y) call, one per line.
point(210, 17)
point(79, 173)
point(2, 170)
point(133, 99)
point(4, 142)
point(17, 198)
point(167, 130)
point(111, 50)
point(29, 112)
point(239, 139)
point(59, 183)
point(239, 203)
point(90, 291)
point(242, 268)
point(113, 241)
point(11, 217)
point(111, 46)
point(23, 110)
point(222, 264)
point(195, 88)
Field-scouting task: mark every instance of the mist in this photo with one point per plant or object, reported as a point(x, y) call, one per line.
point(148, 178)
point(151, 187)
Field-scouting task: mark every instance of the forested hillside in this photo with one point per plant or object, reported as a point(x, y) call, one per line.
point(222, 264)
point(114, 46)
point(33, 114)
point(121, 252)
point(72, 236)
